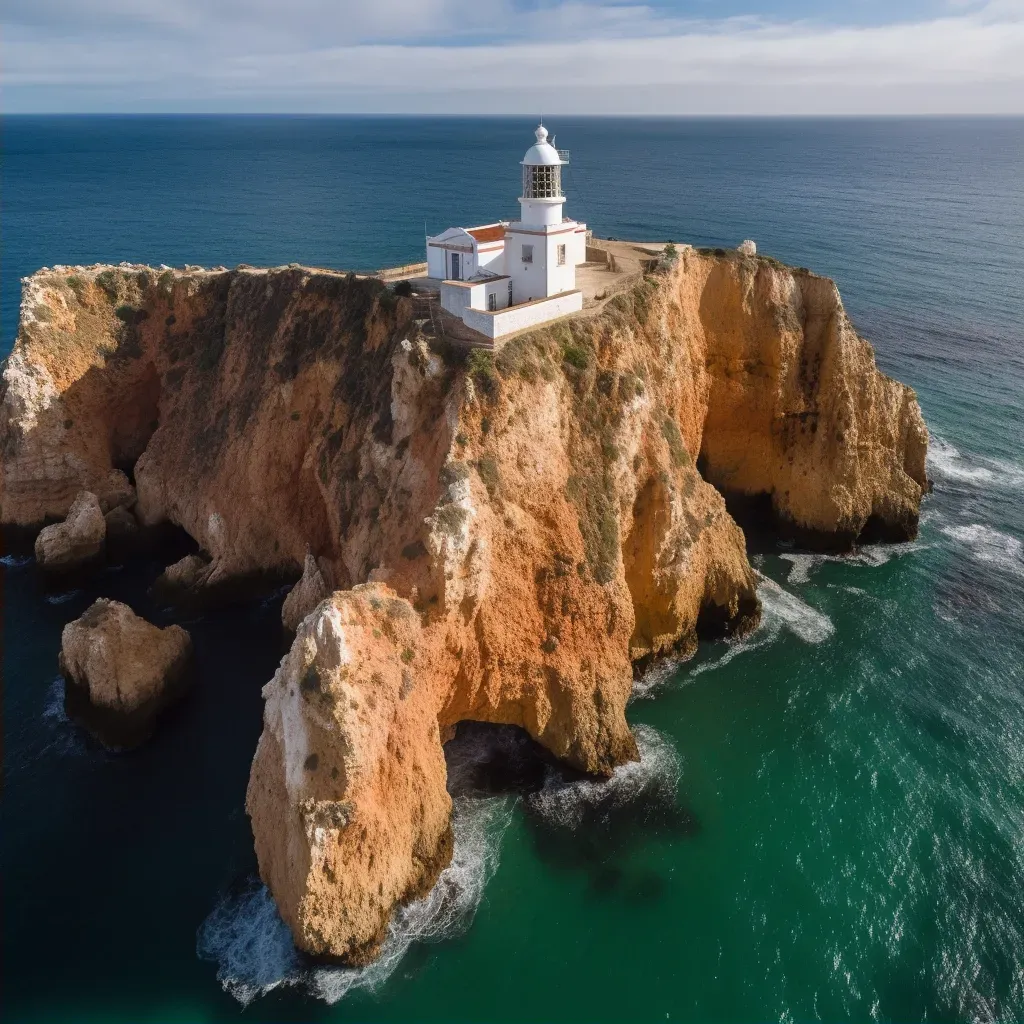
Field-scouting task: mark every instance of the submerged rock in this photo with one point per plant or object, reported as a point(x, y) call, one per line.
point(121, 671)
point(183, 581)
point(76, 542)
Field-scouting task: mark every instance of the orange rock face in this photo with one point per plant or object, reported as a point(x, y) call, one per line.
point(794, 391)
point(504, 537)
point(347, 793)
point(121, 671)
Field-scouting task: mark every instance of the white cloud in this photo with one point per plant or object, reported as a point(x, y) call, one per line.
point(423, 56)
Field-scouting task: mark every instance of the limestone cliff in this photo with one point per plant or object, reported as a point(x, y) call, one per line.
point(798, 412)
point(530, 525)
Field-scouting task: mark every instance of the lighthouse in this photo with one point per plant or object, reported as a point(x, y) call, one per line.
point(542, 247)
point(506, 276)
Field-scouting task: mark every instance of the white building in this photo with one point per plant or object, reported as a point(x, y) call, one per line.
point(504, 277)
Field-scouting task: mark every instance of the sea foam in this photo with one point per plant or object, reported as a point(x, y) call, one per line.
point(781, 608)
point(566, 803)
point(804, 563)
point(253, 949)
point(659, 675)
point(15, 561)
point(63, 737)
point(988, 545)
point(946, 462)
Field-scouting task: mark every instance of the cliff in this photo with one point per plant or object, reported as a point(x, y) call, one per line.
point(504, 537)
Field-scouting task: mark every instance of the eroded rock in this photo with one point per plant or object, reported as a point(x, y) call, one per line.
point(121, 671)
point(183, 581)
point(304, 596)
point(538, 515)
point(116, 491)
point(347, 792)
point(76, 542)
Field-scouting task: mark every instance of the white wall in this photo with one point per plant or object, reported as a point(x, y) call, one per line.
point(467, 265)
point(456, 298)
point(540, 213)
point(459, 298)
point(518, 318)
point(491, 259)
point(544, 276)
point(499, 289)
point(561, 278)
point(580, 244)
point(435, 261)
point(529, 280)
point(439, 263)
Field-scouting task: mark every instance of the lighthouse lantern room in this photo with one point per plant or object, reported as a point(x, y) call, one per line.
point(510, 275)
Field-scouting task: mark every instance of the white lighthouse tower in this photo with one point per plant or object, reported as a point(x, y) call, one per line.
point(542, 247)
point(507, 276)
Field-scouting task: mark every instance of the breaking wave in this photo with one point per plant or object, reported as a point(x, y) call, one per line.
point(251, 945)
point(779, 610)
point(804, 563)
point(253, 949)
point(946, 462)
point(990, 546)
point(568, 803)
point(761, 637)
point(783, 610)
point(446, 911)
point(655, 678)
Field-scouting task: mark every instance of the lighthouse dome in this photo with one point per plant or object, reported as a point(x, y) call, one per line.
point(542, 153)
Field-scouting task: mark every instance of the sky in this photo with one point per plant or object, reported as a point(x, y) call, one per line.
point(678, 57)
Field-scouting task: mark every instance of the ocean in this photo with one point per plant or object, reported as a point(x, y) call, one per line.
point(827, 822)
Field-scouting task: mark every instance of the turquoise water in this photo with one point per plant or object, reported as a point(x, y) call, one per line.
point(828, 820)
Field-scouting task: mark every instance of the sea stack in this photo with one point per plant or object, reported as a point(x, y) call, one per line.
point(76, 542)
point(120, 672)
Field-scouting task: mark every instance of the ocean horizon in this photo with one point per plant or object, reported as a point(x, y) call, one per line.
point(827, 820)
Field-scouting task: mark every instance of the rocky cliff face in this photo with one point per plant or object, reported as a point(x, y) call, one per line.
point(799, 415)
point(504, 537)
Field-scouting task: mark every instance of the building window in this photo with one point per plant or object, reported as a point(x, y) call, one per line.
point(527, 253)
point(560, 255)
point(492, 302)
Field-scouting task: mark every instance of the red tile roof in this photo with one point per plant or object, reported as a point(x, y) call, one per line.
point(490, 233)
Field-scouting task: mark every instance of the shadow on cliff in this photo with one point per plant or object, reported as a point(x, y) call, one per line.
point(577, 822)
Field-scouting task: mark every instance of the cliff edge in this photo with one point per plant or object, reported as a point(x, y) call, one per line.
point(504, 537)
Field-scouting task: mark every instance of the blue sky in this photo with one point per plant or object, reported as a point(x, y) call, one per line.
point(515, 56)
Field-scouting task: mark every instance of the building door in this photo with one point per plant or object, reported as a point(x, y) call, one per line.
point(510, 293)
point(456, 275)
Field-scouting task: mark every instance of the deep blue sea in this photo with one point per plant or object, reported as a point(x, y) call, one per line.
point(828, 820)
